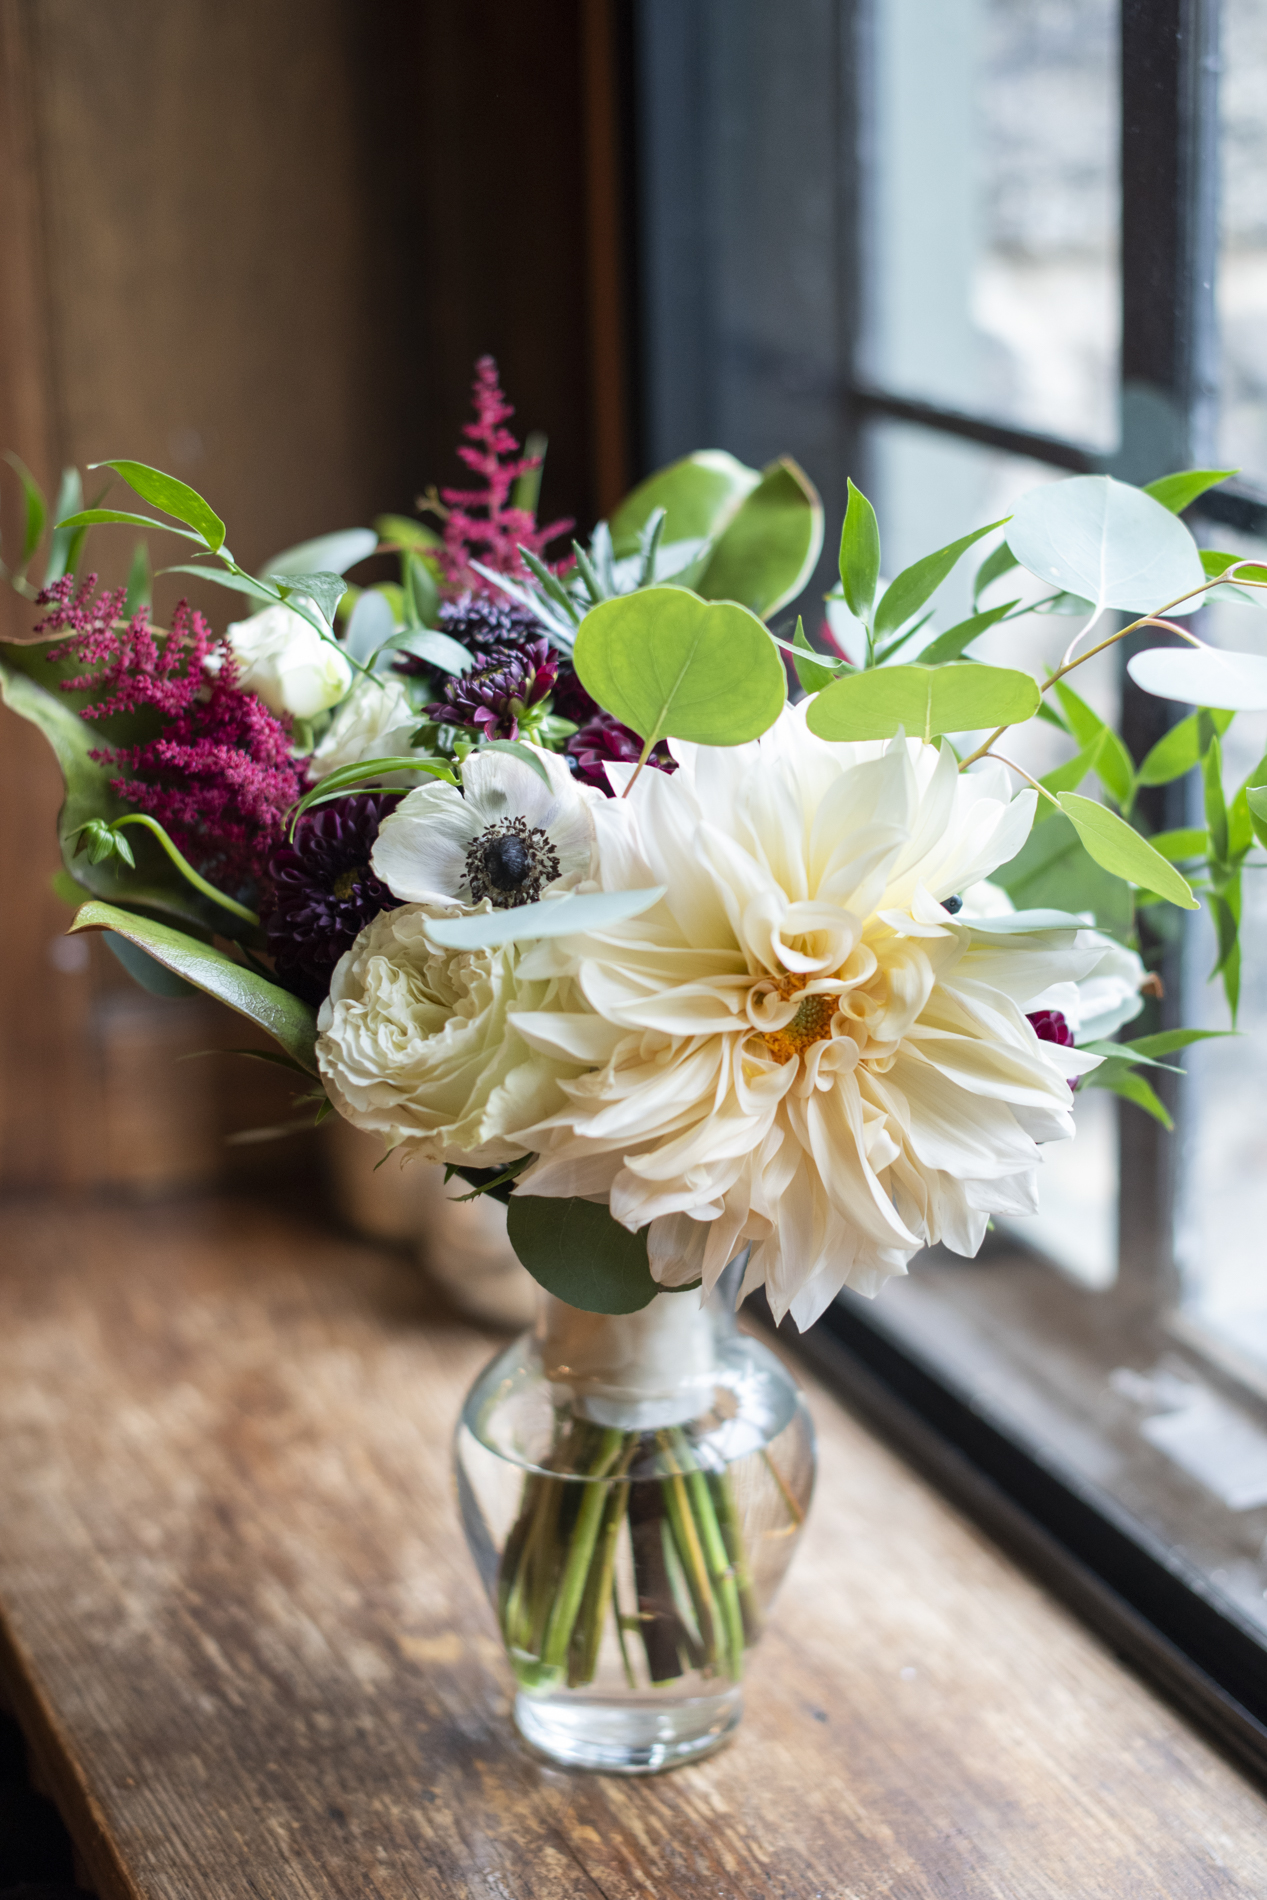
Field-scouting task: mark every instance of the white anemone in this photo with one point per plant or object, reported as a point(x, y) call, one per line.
point(799, 1046)
point(506, 837)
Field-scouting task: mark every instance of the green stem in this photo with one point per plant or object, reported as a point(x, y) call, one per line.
point(186, 869)
point(588, 1634)
point(686, 1536)
point(567, 1602)
point(716, 1555)
point(728, 1519)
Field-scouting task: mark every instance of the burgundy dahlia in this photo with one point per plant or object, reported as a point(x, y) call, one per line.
point(502, 686)
point(324, 890)
point(604, 740)
point(1050, 1026)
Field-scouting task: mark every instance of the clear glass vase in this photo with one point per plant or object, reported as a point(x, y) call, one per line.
point(632, 1489)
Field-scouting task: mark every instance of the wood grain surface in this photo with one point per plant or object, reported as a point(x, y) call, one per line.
point(242, 1631)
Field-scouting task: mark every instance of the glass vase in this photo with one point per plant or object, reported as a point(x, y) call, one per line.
point(632, 1489)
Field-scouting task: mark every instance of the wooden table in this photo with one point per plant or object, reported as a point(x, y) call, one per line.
point(242, 1631)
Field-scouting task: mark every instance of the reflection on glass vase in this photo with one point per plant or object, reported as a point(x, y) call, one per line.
point(632, 1490)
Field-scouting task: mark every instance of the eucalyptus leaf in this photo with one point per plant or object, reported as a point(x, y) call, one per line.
point(668, 664)
point(952, 644)
point(903, 597)
point(327, 554)
point(289, 1021)
point(767, 551)
point(173, 497)
point(859, 555)
point(421, 598)
point(1206, 676)
point(1179, 491)
point(700, 495)
point(1119, 848)
point(1237, 591)
point(35, 510)
point(577, 1252)
point(564, 916)
point(1070, 605)
point(923, 701)
point(1108, 542)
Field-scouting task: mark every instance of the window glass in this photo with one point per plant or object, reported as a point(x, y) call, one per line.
point(1223, 1204)
point(994, 209)
point(1242, 280)
point(928, 490)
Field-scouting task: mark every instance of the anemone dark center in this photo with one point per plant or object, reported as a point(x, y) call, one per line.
point(511, 863)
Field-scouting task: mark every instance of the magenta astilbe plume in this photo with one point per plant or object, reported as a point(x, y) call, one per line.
point(482, 524)
point(219, 775)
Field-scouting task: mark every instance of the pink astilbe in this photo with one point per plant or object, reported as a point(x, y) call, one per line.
point(219, 776)
point(482, 525)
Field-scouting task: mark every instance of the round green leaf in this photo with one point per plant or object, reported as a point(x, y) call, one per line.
point(669, 664)
point(1119, 848)
point(1203, 676)
point(1108, 542)
point(575, 1250)
point(922, 701)
point(328, 554)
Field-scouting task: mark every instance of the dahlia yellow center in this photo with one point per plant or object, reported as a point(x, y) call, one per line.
point(811, 1023)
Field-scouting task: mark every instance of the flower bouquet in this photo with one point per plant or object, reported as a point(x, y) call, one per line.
point(727, 959)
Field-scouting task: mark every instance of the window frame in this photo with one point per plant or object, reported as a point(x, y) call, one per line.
point(1151, 1601)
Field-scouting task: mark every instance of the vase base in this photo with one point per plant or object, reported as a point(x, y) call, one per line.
point(633, 1737)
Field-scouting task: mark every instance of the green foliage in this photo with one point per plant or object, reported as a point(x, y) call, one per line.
point(812, 675)
point(402, 531)
point(142, 968)
point(575, 1250)
point(328, 554)
point(1179, 749)
point(700, 495)
point(669, 664)
point(324, 589)
point(291, 1022)
point(173, 497)
point(859, 555)
point(66, 544)
point(1108, 756)
point(904, 597)
point(105, 517)
point(1178, 492)
point(952, 644)
point(140, 581)
point(1208, 676)
point(1053, 869)
point(922, 701)
point(1108, 542)
point(35, 512)
point(998, 562)
point(1119, 848)
point(767, 551)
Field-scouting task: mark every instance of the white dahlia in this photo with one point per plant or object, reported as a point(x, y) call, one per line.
point(798, 1046)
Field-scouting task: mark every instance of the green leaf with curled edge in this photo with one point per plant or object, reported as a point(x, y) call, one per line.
point(173, 497)
point(998, 562)
point(812, 675)
point(35, 509)
point(1108, 542)
point(1119, 848)
point(324, 590)
point(922, 701)
point(577, 1252)
point(64, 547)
point(767, 552)
point(1122, 1078)
point(700, 495)
point(668, 664)
point(291, 1022)
point(105, 517)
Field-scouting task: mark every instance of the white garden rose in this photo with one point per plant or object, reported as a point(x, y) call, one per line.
point(375, 721)
point(283, 659)
point(799, 1046)
point(416, 1044)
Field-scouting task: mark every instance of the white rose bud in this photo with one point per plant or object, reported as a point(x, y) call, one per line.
point(286, 661)
point(375, 721)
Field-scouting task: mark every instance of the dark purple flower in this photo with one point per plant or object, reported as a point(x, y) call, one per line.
point(571, 701)
point(1050, 1026)
point(499, 690)
point(324, 891)
point(603, 740)
point(482, 623)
